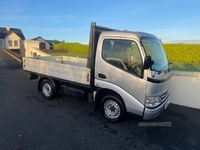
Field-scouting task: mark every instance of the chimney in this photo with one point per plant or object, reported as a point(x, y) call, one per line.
point(8, 28)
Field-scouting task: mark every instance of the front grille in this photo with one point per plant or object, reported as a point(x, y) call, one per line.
point(165, 95)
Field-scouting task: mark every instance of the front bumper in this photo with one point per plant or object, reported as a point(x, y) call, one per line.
point(154, 112)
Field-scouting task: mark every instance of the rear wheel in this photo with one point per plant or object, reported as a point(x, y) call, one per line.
point(47, 89)
point(113, 108)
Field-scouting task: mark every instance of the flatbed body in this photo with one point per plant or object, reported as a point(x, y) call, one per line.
point(60, 67)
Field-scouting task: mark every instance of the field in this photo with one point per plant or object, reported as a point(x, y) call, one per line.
point(188, 53)
point(72, 47)
point(181, 66)
point(185, 57)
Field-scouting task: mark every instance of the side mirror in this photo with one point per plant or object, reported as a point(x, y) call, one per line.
point(148, 62)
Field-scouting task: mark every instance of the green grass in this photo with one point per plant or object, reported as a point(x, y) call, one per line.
point(178, 66)
point(180, 52)
point(73, 47)
point(181, 66)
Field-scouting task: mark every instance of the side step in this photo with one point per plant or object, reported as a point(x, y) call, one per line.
point(78, 92)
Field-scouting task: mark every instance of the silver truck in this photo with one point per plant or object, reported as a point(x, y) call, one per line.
point(125, 73)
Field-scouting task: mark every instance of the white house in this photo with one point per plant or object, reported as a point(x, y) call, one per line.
point(10, 38)
point(45, 44)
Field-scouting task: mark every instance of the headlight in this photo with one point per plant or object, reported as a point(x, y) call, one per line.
point(153, 101)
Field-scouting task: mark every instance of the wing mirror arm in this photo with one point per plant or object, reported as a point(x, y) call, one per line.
point(170, 65)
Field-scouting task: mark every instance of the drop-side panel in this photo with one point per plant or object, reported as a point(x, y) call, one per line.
point(61, 69)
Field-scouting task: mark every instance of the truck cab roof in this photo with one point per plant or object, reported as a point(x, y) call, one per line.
point(128, 34)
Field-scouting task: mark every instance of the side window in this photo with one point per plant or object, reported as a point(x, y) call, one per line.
point(16, 43)
point(9, 42)
point(136, 60)
point(123, 54)
point(106, 51)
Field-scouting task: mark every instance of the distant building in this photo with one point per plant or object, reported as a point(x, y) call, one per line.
point(46, 44)
point(10, 38)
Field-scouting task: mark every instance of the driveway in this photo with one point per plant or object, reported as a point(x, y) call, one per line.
point(30, 122)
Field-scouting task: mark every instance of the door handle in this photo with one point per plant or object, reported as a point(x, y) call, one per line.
point(100, 75)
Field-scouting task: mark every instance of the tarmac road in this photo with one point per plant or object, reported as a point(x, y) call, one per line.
point(30, 122)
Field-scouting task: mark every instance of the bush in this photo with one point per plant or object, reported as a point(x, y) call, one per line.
point(179, 52)
point(188, 53)
point(73, 47)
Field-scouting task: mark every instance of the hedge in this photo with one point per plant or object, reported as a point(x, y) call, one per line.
point(179, 52)
point(73, 47)
point(188, 53)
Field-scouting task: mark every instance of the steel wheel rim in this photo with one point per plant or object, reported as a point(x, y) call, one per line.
point(46, 89)
point(112, 109)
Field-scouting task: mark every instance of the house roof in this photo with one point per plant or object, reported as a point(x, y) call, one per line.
point(4, 32)
point(38, 38)
point(49, 41)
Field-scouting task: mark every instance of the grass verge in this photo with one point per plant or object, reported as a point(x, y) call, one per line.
point(181, 66)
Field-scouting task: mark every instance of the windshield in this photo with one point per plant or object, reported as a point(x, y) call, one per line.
point(153, 48)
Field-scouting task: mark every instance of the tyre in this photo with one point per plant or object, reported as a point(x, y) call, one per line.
point(113, 108)
point(47, 89)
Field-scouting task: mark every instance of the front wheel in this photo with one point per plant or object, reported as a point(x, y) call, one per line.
point(112, 108)
point(47, 89)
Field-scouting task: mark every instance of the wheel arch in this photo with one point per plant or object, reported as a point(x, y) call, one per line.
point(54, 83)
point(102, 93)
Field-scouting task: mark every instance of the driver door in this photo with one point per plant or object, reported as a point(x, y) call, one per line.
point(121, 64)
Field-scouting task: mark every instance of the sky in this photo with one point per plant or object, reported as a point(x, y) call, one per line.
point(69, 20)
